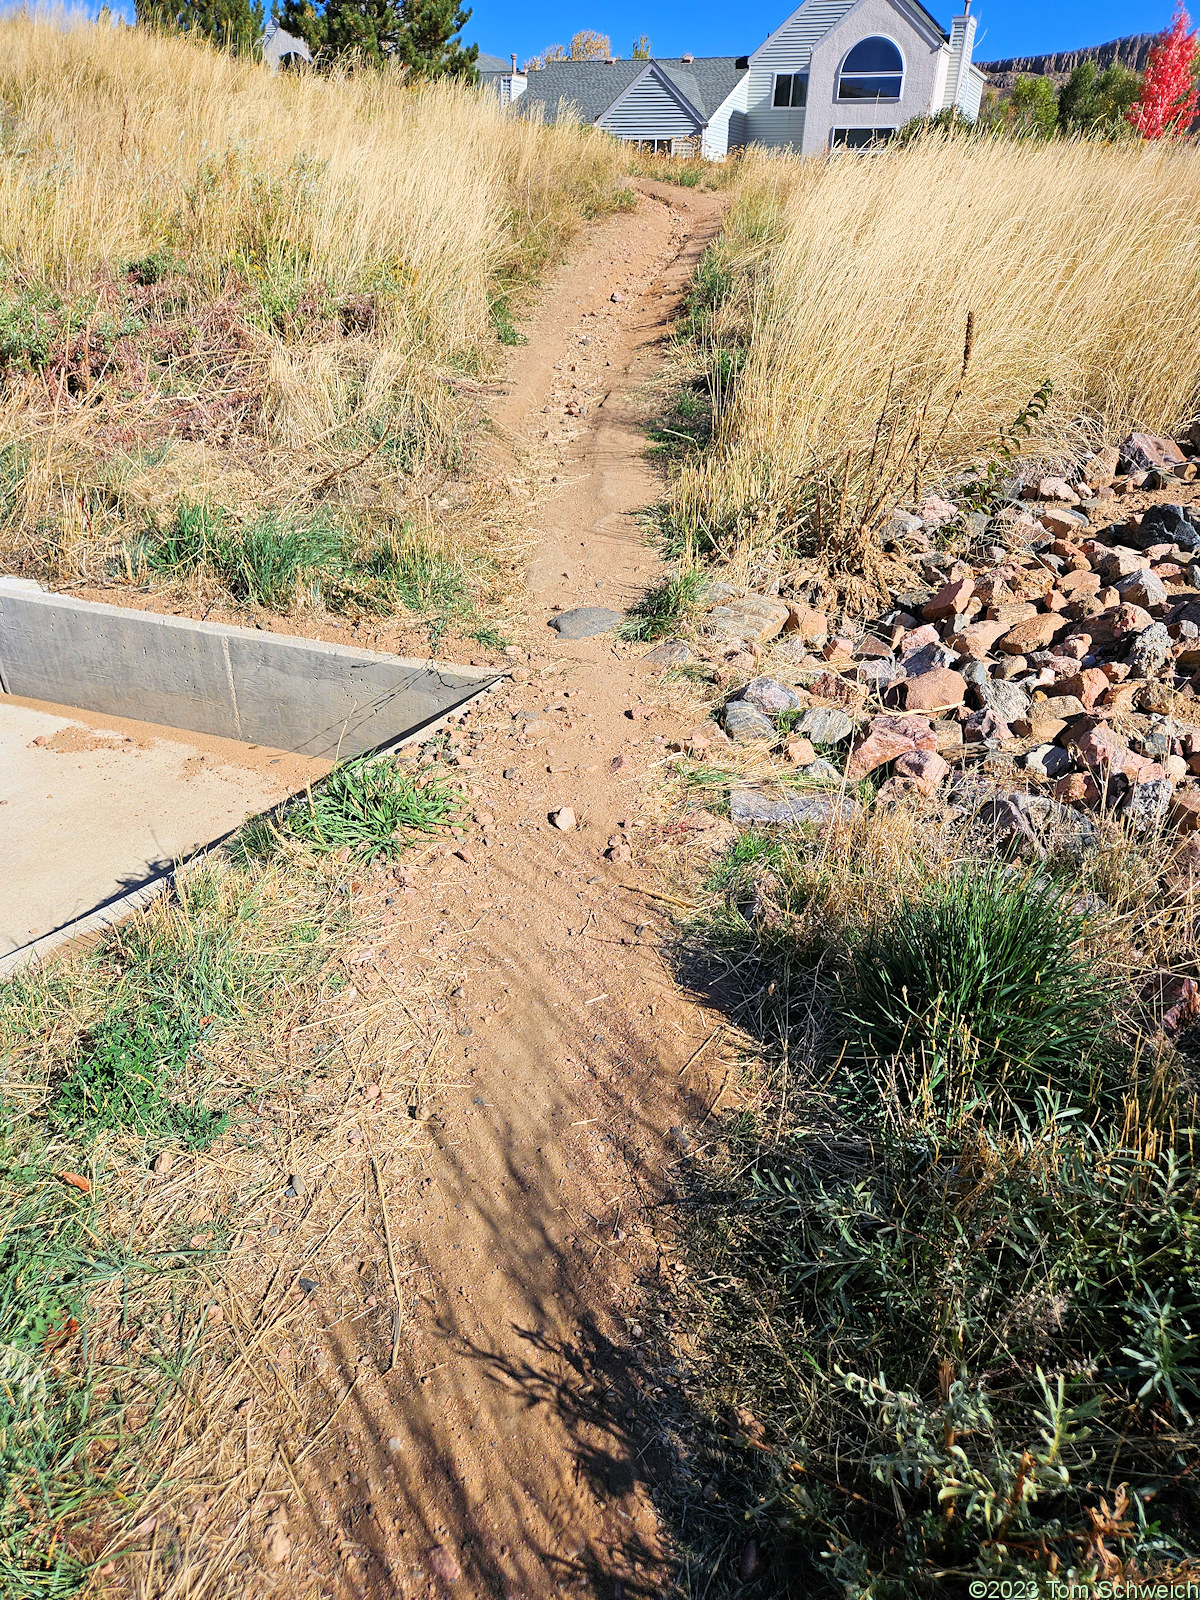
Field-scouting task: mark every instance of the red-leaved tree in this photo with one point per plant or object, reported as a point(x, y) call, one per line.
point(1169, 94)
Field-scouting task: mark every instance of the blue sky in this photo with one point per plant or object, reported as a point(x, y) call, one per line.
point(714, 28)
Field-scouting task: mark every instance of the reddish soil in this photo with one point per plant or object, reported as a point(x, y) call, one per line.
point(501, 1455)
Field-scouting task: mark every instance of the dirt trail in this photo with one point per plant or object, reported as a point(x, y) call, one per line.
point(500, 1456)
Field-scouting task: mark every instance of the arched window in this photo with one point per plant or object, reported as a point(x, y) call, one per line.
point(874, 70)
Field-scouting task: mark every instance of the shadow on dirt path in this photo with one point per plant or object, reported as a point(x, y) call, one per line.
point(501, 1455)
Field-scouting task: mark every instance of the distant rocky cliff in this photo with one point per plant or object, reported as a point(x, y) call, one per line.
point(1131, 52)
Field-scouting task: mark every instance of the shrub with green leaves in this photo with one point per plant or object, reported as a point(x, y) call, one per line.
point(980, 991)
point(969, 1338)
point(947, 1276)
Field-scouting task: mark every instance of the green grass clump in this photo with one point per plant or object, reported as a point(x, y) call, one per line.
point(489, 637)
point(979, 987)
point(663, 608)
point(275, 561)
point(370, 808)
point(132, 1038)
point(415, 574)
point(267, 562)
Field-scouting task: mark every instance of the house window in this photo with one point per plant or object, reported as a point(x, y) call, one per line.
point(860, 138)
point(874, 70)
point(791, 88)
point(653, 147)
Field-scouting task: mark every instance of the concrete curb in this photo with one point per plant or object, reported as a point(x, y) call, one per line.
point(116, 910)
point(328, 701)
point(320, 700)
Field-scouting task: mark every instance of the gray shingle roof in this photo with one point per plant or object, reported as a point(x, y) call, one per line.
point(592, 86)
point(492, 63)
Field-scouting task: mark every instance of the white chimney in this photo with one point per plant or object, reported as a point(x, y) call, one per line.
point(962, 42)
point(513, 84)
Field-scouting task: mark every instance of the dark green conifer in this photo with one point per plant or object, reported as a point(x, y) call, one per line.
point(232, 24)
point(423, 34)
point(430, 43)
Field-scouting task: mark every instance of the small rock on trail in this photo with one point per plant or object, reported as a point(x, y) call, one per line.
point(584, 622)
point(443, 1565)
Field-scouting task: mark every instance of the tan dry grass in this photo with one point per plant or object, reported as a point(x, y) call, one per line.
point(851, 281)
point(157, 142)
point(228, 1368)
point(332, 248)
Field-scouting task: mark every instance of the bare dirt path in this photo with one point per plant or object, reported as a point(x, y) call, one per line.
point(501, 1455)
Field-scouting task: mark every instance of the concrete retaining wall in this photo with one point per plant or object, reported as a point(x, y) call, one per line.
point(322, 700)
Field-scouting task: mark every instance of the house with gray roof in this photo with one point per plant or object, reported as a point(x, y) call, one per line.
point(835, 73)
point(283, 49)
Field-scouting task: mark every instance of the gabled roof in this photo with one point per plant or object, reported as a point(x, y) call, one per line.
point(278, 44)
point(492, 64)
point(678, 86)
point(592, 87)
point(912, 5)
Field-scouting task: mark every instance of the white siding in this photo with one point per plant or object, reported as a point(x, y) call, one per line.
point(650, 110)
point(973, 93)
point(962, 40)
point(789, 49)
point(727, 124)
point(941, 78)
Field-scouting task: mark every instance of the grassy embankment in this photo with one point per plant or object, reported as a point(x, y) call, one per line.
point(943, 1262)
point(185, 1136)
point(269, 298)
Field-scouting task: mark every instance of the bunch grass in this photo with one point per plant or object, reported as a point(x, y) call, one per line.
point(273, 289)
point(281, 562)
point(370, 808)
point(980, 992)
